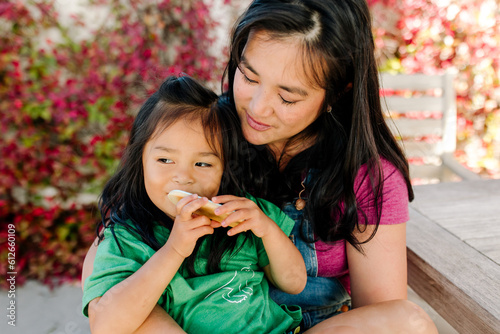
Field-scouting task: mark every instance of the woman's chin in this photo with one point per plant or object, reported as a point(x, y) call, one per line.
point(254, 137)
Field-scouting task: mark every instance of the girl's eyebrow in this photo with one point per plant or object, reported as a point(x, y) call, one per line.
point(173, 150)
point(292, 90)
point(163, 148)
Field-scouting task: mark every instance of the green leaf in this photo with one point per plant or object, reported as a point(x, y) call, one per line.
point(62, 232)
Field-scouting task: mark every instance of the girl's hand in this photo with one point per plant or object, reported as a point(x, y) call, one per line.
point(286, 269)
point(188, 228)
point(246, 211)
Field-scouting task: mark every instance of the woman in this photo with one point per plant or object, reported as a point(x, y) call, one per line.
point(303, 80)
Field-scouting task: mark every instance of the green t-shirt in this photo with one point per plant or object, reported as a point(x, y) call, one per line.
point(235, 300)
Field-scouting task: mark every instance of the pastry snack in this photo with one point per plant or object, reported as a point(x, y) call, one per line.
point(207, 210)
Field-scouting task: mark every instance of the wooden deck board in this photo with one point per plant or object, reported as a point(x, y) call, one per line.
point(489, 246)
point(465, 210)
point(453, 252)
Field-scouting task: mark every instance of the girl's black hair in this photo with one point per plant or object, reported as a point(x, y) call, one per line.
point(338, 53)
point(124, 200)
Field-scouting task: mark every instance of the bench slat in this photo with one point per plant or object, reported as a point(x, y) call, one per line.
point(420, 149)
point(419, 82)
point(416, 127)
point(421, 103)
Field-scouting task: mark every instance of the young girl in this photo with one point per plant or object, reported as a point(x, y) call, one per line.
point(209, 279)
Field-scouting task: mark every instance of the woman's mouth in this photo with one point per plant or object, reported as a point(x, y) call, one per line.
point(257, 125)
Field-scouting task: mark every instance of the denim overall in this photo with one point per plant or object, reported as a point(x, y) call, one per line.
point(323, 297)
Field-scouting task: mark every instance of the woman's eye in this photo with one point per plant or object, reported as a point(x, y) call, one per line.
point(203, 164)
point(165, 160)
point(286, 102)
point(247, 79)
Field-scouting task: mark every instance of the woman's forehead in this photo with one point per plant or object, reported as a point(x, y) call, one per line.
point(289, 53)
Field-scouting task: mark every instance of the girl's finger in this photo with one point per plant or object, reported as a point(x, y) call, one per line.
point(204, 230)
point(215, 224)
point(193, 228)
point(198, 222)
point(237, 216)
point(240, 228)
point(224, 198)
point(237, 203)
point(184, 201)
point(186, 210)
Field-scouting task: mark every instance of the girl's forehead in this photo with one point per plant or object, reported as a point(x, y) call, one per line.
point(185, 125)
point(186, 132)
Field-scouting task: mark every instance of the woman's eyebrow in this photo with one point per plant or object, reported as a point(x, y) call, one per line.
point(292, 90)
point(245, 63)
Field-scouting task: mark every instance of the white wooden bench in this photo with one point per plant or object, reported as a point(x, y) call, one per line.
point(422, 113)
point(453, 260)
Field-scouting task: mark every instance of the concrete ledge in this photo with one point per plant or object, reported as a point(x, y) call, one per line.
point(42, 311)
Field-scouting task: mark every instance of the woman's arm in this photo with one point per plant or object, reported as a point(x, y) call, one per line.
point(380, 273)
point(378, 286)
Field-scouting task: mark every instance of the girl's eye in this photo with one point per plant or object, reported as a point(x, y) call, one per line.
point(286, 102)
point(165, 161)
point(203, 164)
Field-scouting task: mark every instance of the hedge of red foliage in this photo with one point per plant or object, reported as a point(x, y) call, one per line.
point(66, 108)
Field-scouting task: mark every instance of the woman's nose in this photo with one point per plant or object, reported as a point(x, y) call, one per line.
point(260, 104)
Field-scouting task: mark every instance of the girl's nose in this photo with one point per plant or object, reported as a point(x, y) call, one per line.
point(182, 177)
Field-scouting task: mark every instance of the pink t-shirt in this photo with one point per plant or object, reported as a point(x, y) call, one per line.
point(332, 259)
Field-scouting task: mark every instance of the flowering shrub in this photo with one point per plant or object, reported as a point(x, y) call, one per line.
point(66, 108)
point(432, 36)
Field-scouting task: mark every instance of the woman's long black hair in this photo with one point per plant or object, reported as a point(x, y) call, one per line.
point(124, 200)
point(338, 52)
